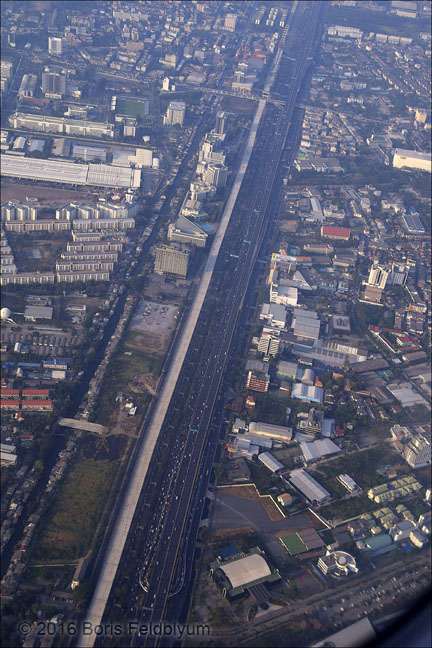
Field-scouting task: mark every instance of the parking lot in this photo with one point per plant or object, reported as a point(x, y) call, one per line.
point(151, 326)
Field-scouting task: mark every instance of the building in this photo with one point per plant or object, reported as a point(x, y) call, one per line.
point(28, 86)
point(172, 260)
point(175, 113)
point(284, 295)
point(308, 486)
point(393, 490)
point(239, 571)
point(258, 381)
point(230, 22)
point(55, 45)
point(285, 499)
point(101, 175)
point(79, 573)
point(417, 452)
point(268, 430)
point(274, 314)
point(184, 231)
point(216, 175)
point(62, 125)
point(16, 211)
point(220, 125)
point(340, 325)
point(378, 276)
point(307, 393)
point(316, 449)
point(33, 313)
point(403, 158)
point(337, 233)
point(54, 84)
point(268, 344)
point(270, 462)
point(337, 564)
point(306, 324)
point(349, 483)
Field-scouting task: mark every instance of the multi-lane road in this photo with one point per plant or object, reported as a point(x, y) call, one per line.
point(165, 571)
point(167, 574)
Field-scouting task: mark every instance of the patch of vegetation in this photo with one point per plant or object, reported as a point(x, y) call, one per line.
point(349, 508)
point(76, 512)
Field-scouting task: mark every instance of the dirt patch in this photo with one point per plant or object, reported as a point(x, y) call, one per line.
point(266, 501)
point(47, 196)
point(224, 533)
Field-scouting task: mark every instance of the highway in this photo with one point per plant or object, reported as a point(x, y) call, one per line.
point(165, 568)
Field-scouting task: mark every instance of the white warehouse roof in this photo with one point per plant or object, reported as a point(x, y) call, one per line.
point(270, 462)
point(246, 570)
point(69, 172)
point(308, 486)
point(269, 430)
point(319, 448)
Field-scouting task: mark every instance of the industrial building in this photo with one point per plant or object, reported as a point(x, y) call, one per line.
point(308, 486)
point(270, 462)
point(101, 175)
point(276, 432)
point(316, 449)
point(28, 86)
point(306, 324)
point(403, 158)
point(307, 393)
point(172, 260)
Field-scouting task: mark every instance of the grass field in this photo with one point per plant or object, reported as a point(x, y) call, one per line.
point(76, 512)
point(244, 107)
point(132, 107)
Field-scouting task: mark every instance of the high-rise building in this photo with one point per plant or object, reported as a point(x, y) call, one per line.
point(230, 22)
point(55, 45)
point(378, 276)
point(53, 84)
point(175, 113)
point(220, 123)
point(399, 274)
point(216, 175)
point(6, 69)
point(166, 84)
point(417, 452)
point(172, 260)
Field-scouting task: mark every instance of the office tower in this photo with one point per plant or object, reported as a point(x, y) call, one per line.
point(378, 276)
point(220, 123)
point(55, 45)
point(172, 260)
point(175, 113)
point(53, 84)
point(166, 84)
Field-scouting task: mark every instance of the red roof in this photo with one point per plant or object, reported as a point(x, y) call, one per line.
point(35, 392)
point(36, 403)
point(9, 403)
point(338, 232)
point(9, 392)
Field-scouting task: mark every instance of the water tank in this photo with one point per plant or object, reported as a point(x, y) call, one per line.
point(146, 138)
point(155, 163)
point(5, 313)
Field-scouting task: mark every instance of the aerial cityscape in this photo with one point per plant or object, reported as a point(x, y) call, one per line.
point(215, 323)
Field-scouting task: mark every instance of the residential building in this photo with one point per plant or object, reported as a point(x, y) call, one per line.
point(417, 452)
point(55, 45)
point(53, 84)
point(378, 276)
point(175, 113)
point(172, 260)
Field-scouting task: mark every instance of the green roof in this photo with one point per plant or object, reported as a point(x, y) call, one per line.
point(293, 544)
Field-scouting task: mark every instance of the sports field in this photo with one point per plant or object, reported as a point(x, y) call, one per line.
point(132, 107)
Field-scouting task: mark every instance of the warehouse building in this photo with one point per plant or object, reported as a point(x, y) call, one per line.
point(270, 462)
point(276, 432)
point(101, 175)
point(403, 158)
point(318, 449)
point(307, 393)
point(308, 486)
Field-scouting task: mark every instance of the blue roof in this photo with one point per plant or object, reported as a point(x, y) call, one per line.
point(226, 552)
